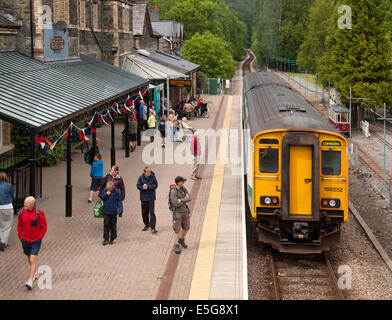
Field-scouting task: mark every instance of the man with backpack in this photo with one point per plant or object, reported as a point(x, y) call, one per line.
point(32, 227)
point(178, 199)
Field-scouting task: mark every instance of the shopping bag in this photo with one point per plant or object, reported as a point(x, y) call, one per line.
point(97, 209)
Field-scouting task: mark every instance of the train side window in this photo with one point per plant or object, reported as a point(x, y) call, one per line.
point(269, 160)
point(331, 163)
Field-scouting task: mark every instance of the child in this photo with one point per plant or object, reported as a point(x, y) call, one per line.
point(162, 129)
point(112, 205)
point(151, 122)
point(96, 175)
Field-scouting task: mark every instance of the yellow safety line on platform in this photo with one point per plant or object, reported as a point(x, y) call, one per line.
point(201, 281)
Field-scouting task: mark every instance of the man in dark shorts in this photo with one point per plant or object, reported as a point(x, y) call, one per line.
point(162, 129)
point(181, 215)
point(31, 230)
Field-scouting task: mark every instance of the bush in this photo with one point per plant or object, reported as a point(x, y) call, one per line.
point(20, 137)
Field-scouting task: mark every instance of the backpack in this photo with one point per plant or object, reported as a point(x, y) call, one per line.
point(87, 156)
point(170, 203)
point(36, 211)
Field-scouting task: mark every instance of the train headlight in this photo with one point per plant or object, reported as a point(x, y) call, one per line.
point(269, 201)
point(330, 203)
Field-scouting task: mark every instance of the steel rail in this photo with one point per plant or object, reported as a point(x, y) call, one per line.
point(274, 276)
point(332, 275)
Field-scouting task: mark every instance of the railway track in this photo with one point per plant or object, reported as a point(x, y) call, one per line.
point(379, 137)
point(246, 66)
point(303, 277)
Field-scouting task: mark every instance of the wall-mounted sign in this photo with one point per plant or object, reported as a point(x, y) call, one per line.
point(180, 83)
point(57, 43)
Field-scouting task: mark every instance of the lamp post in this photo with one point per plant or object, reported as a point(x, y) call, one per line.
point(385, 119)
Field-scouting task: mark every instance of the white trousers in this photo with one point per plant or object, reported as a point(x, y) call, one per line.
point(6, 219)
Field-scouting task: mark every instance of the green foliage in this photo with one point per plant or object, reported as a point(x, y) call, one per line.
point(360, 57)
point(21, 139)
point(213, 16)
point(55, 155)
point(279, 27)
point(211, 53)
point(246, 8)
point(314, 46)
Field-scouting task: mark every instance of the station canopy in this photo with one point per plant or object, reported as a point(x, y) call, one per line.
point(149, 69)
point(36, 94)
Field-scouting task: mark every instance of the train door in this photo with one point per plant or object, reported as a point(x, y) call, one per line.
point(300, 180)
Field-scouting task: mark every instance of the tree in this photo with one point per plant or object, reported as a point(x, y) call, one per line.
point(314, 46)
point(213, 16)
point(211, 53)
point(360, 57)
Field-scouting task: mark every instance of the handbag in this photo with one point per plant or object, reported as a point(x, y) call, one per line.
point(98, 209)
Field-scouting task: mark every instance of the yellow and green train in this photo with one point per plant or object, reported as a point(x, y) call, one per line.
point(296, 168)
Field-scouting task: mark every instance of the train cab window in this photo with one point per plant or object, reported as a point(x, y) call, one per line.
point(269, 160)
point(331, 163)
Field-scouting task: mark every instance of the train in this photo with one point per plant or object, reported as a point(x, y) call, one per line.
point(296, 168)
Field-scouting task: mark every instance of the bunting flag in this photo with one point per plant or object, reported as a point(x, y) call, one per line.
point(79, 133)
point(44, 151)
point(110, 116)
point(125, 106)
point(82, 135)
point(40, 140)
point(112, 107)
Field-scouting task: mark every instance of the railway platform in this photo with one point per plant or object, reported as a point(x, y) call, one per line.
point(140, 265)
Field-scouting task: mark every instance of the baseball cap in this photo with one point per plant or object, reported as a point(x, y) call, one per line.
point(179, 179)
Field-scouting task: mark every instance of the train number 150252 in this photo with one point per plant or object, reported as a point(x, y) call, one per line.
point(333, 189)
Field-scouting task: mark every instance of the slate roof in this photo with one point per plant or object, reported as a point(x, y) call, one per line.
point(37, 94)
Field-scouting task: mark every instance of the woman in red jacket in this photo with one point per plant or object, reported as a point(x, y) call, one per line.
point(31, 230)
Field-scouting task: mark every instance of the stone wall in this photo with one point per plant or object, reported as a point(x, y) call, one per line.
point(77, 14)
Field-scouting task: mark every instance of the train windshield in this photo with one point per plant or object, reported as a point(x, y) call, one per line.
point(331, 163)
point(269, 160)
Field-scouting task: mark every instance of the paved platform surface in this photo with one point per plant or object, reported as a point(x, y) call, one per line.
point(135, 266)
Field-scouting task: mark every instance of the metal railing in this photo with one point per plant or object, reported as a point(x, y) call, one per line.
point(18, 169)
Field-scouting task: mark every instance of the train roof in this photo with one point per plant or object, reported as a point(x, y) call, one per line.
point(274, 105)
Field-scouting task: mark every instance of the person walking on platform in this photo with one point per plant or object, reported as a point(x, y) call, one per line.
point(114, 176)
point(112, 205)
point(179, 196)
point(196, 151)
point(147, 184)
point(162, 129)
point(32, 227)
point(96, 175)
point(151, 123)
point(132, 132)
point(7, 193)
point(173, 125)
